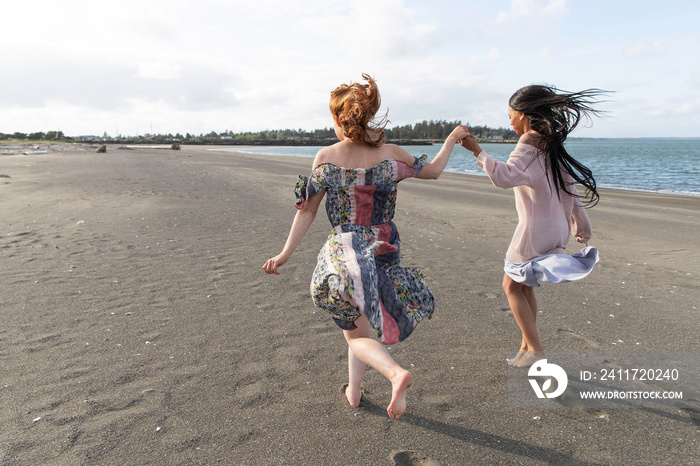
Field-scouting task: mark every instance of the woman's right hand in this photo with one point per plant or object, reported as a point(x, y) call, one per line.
point(272, 264)
point(469, 143)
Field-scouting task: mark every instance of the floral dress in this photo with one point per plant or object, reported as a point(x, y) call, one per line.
point(358, 267)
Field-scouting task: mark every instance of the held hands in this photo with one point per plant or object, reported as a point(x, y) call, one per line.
point(469, 143)
point(272, 264)
point(459, 133)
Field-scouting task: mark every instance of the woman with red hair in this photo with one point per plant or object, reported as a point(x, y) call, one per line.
point(358, 279)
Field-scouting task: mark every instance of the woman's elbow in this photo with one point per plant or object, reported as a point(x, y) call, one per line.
point(309, 211)
point(429, 174)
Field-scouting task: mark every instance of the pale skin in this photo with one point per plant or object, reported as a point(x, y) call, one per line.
point(363, 350)
point(521, 298)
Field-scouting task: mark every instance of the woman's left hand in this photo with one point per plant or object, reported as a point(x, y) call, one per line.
point(272, 264)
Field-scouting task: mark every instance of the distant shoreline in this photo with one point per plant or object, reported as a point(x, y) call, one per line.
point(308, 143)
point(15, 148)
point(24, 144)
point(231, 142)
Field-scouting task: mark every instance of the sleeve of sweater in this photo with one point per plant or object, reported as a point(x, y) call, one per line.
point(505, 174)
point(580, 224)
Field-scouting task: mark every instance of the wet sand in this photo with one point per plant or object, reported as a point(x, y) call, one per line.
point(137, 327)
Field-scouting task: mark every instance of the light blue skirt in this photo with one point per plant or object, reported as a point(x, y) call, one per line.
point(553, 268)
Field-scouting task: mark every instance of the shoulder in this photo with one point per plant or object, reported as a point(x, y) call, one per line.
point(325, 155)
point(525, 150)
point(533, 140)
point(395, 152)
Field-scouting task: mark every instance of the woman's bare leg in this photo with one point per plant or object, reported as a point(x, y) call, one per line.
point(374, 354)
point(356, 372)
point(524, 306)
point(529, 293)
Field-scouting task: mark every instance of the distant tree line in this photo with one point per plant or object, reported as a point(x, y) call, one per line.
point(424, 131)
point(39, 136)
point(440, 129)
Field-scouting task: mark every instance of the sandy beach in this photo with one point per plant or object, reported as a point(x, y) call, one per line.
point(137, 326)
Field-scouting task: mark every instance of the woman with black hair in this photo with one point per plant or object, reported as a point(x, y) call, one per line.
point(543, 176)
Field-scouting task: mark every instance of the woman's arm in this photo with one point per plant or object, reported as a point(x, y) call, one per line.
point(469, 143)
point(302, 221)
point(580, 223)
point(502, 174)
point(433, 169)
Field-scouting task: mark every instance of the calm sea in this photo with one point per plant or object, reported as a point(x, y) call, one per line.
point(655, 165)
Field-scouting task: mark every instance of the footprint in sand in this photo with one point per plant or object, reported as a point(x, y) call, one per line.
point(588, 340)
point(412, 458)
point(571, 401)
point(693, 414)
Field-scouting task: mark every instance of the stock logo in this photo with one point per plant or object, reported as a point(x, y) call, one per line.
point(542, 369)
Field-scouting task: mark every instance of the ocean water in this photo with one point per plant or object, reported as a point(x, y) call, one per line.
point(654, 165)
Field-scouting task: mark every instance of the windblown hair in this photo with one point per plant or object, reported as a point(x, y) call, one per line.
point(355, 105)
point(554, 114)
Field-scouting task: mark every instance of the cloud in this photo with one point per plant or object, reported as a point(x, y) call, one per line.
point(645, 50)
point(369, 29)
point(158, 69)
point(491, 56)
point(545, 53)
point(664, 111)
point(264, 64)
point(112, 86)
point(540, 10)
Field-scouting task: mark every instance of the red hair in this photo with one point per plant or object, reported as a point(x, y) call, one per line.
point(355, 106)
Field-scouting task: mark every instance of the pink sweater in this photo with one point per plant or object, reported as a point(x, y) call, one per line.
point(545, 222)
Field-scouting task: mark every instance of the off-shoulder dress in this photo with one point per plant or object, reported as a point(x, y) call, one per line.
point(358, 268)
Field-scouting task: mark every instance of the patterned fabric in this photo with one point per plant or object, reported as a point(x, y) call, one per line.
point(358, 267)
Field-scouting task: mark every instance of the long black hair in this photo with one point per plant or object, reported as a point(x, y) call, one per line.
point(554, 114)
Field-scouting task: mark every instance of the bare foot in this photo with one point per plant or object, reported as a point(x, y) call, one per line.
point(354, 395)
point(523, 348)
point(399, 386)
point(513, 361)
point(529, 358)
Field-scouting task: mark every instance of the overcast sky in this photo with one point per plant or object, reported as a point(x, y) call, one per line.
point(133, 67)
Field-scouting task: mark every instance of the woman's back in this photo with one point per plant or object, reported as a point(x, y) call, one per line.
point(364, 196)
point(545, 214)
point(349, 154)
